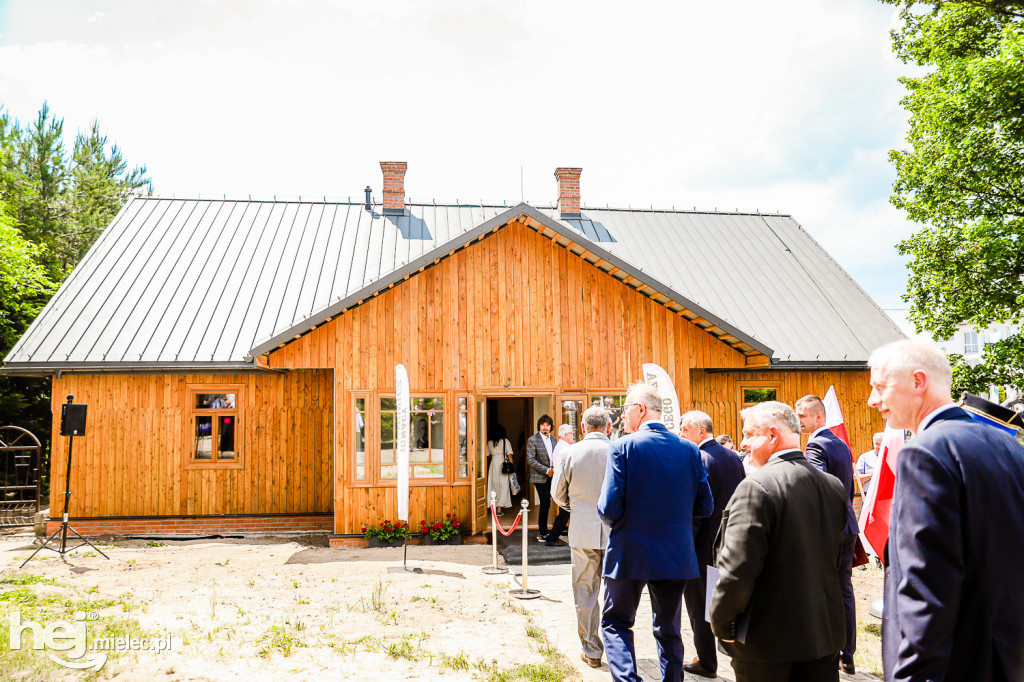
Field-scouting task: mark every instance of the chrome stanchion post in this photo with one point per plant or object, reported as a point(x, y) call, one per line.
point(524, 592)
point(494, 567)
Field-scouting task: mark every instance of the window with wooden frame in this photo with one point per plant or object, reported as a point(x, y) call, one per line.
point(359, 426)
point(426, 439)
point(463, 450)
point(753, 392)
point(214, 429)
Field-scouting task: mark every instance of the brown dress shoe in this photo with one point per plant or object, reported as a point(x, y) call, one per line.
point(592, 662)
point(848, 668)
point(695, 668)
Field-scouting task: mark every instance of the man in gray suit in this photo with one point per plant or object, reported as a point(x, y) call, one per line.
point(778, 605)
point(539, 449)
point(576, 486)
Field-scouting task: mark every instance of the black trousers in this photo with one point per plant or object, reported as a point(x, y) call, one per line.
point(703, 640)
point(822, 670)
point(561, 521)
point(544, 492)
point(849, 603)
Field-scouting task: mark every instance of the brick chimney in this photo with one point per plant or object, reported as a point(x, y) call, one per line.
point(394, 186)
point(569, 191)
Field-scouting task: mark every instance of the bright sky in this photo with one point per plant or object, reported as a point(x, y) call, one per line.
point(743, 104)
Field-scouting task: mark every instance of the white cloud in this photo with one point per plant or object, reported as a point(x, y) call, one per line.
point(741, 104)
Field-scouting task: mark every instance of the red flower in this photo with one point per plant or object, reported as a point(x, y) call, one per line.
point(447, 516)
point(455, 522)
point(437, 525)
point(364, 529)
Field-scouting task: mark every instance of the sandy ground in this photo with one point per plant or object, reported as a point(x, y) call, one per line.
point(288, 608)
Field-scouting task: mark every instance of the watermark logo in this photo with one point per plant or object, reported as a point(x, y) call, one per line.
point(71, 639)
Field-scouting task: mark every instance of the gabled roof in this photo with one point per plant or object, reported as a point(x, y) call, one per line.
point(208, 284)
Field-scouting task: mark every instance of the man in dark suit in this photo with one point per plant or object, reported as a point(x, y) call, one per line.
point(725, 471)
point(539, 449)
point(830, 454)
point(654, 485)
point(954, 592)
point(778, 606)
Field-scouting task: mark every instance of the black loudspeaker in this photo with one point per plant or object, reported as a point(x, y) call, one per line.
point(72, 419)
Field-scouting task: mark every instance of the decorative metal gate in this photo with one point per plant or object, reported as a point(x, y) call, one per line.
point(19, 476)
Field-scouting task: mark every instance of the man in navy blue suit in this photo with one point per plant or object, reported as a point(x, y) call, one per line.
point(954, 591)
point(830, 454)
point(654, 485)
point(725, 471)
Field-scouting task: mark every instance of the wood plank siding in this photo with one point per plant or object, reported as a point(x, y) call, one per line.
point(135, 457)
point(512, 313)
point(513, 307)
point(720, 394)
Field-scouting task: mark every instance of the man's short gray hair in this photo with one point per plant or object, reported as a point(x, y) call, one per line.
point(698, 419)
point(646, 395)
point(771, 413)
point(596, 419)
point(564, 429)
point(907, 356)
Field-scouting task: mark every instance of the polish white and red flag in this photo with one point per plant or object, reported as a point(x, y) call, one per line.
point(834, 416)
point(874, 516)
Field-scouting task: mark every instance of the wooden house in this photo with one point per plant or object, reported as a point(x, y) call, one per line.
point(238, 357)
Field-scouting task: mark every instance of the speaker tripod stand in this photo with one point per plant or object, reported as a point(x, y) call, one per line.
point(72, 423)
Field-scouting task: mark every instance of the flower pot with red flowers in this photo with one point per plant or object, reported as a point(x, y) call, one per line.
point(387, 534)
point(445, 532)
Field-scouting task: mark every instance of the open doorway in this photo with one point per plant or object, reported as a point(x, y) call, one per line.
point(519, 416)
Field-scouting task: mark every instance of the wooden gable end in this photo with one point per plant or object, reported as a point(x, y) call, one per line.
point(512, 308)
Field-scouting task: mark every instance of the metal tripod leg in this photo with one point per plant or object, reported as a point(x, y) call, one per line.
point(44, 546)
point(62, 531)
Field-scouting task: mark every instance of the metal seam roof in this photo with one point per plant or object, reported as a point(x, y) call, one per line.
point(195, 281)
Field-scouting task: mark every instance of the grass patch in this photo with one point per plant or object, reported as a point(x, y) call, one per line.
point(28, 579)
point(34, 599)
point(554, 668)
point(284, 638)
point(378, 601)
point(868, 657)
point(870, 628)
point(456, 662)
point(514, 607)
point(406, 648)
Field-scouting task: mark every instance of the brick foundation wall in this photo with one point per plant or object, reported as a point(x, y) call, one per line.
point(190, 525)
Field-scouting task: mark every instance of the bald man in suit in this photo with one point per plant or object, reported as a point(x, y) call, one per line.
point(725, 471)
point(778, 606)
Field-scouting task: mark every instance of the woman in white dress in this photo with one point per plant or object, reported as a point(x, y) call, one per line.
point(497, 447)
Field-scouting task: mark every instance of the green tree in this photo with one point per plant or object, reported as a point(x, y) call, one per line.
point(961, 176)
point(56, 205)
point(24, 290)
point(24, 287)
point(63, 202)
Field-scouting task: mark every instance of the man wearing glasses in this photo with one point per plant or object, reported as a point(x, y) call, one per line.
point(654, 486)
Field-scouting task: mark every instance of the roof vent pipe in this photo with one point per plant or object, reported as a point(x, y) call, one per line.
point(369, 198)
